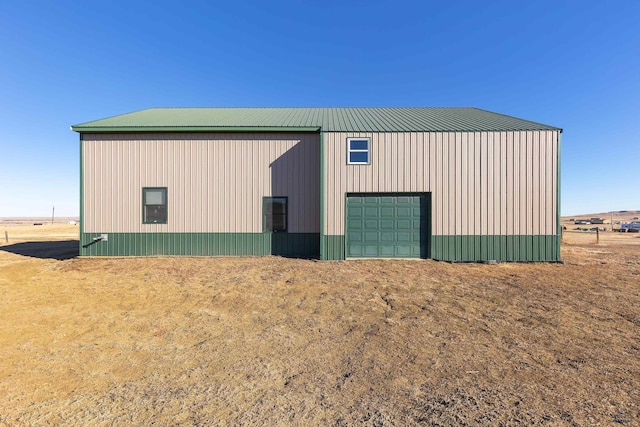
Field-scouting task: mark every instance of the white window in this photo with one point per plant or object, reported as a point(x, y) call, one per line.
point(358, 151)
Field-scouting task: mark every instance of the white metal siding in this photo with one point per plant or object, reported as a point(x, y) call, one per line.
point(215, 182)
point(482, 183)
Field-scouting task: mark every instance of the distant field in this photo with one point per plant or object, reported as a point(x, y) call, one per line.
point(618, 216)
point(273, 341)
point(573, 233)
point(19, 221)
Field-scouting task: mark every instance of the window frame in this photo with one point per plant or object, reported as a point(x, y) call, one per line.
point(144, 205)
point(265, 200)
point(350, 150)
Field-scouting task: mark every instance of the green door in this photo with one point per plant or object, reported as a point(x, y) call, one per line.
point(387, 226)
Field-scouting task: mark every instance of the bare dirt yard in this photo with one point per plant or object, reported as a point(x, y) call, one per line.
point(275, 341)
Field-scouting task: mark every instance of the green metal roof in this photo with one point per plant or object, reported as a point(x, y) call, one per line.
point(339, 119)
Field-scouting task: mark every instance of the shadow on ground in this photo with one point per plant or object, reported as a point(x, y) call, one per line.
point(60, 250)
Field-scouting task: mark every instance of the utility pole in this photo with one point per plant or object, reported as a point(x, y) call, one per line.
point(611, 221)
point(53, 214)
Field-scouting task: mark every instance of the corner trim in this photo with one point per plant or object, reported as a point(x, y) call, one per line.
point(323, 244)
point(81, 192)
point(558, 189)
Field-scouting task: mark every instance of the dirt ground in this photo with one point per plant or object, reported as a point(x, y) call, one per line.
point(275, 341)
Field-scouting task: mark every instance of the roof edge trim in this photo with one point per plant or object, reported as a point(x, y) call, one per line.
point(116, 129)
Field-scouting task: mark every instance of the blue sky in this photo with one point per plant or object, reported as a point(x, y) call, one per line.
point(571, 64)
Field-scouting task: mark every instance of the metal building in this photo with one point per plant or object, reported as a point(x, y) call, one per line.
point(459, 184)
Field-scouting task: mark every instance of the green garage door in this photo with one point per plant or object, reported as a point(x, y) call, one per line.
point(388, 225)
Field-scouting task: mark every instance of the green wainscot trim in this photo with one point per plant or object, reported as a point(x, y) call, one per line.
point(297, 245)
point(498, 248)
point(334, 246)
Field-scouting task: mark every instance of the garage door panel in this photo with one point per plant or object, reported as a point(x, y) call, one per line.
point(387, 212)
point(370, 251)
point(403, 224)
point(404, 251)
point(403, 237)
point(355, 251)
point(355, 212)
point(371, 236)
point(387, 251)
point(403, 212)
point(355, 224)
point(356, 237)
point(387, 226)
point(371, 224)
point(371, 212)
point(387, 237)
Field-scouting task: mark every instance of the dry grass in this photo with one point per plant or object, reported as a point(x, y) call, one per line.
point(272, 341)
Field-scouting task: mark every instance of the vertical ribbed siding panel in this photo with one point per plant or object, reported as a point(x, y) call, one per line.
point(484, 185)
point(542, 173)
point(437, 184)
point(451, 207)
point(216, 165)
point(509, 178)
point(474, 188)
point(134, 176)
point(457, 185)
point(228, 192)
point(520, 188)
point(414, 152)
point(504, 185)
point(477, 183)
point(332, 189)
point(491, 182)
point(535, 176)
point(517, 190)
point(433, 168)
point(443, 190)
point(499, 227)
point(534, 206)
point(500, 202)
point(522, 195)
point(120, 196)
point(467, 196)
point(555, 184)
point(399, 164)
point(551, 188)
point(529, 191)
point(90, 158)
point(465, 193)
point(215, 181)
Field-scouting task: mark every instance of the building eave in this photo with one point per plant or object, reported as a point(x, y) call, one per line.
point(142, 129)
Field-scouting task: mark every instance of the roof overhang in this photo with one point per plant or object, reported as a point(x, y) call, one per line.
point(138, 129)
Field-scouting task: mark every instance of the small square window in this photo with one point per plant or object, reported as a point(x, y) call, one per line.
point(358, 151)
point(154, 205)
point(275, 214)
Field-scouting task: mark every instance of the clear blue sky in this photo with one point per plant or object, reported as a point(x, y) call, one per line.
point(571, 64)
